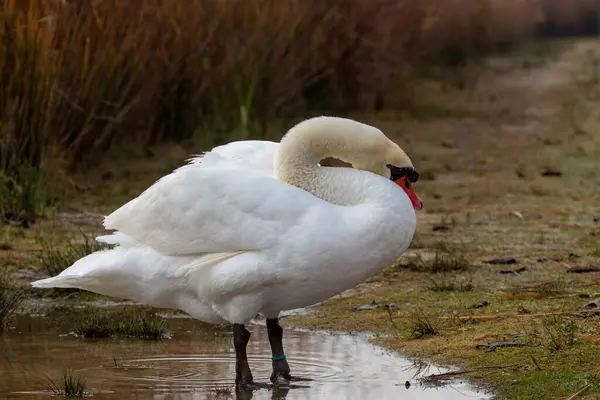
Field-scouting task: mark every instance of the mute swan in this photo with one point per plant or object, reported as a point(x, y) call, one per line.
point(259, 227)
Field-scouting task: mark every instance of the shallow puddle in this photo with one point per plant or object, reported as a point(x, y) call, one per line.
point(198, 360)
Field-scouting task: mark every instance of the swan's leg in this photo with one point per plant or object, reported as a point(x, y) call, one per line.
point(281, 369)
point(241, 337)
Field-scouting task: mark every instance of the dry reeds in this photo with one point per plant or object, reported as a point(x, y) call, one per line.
point(78, 76)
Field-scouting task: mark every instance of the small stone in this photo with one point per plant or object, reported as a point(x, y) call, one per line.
point(370, 306)
point(592, 304)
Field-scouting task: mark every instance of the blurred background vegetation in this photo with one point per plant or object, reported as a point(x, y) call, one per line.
point(78, 78)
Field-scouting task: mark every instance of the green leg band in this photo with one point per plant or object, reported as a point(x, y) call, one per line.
point(278, 358)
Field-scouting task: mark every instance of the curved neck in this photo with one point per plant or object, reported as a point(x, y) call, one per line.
point(306, 144)
point(309, 142)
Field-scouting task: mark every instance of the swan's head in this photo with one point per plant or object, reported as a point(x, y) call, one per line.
point(376, 153)
point(364, 146)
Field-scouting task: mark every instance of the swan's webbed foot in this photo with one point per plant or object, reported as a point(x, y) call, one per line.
point(281, 372)
point(279, 378)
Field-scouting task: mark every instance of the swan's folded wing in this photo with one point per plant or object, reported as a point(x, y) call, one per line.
point(254, 155)
point(199, 209)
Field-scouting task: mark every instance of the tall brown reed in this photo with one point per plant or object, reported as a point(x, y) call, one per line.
point(28, 107)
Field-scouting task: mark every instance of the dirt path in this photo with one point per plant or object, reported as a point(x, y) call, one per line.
point(527, 121)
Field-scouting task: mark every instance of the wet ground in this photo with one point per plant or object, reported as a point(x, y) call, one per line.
point(197, 362)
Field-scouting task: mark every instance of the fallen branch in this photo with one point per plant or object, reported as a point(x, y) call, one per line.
point(447, 375)
point(492, 346)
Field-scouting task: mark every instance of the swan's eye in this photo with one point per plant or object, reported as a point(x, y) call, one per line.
point(401, 172)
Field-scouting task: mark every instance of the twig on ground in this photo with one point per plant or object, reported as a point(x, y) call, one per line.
point(447, 375)
point(580, 391)
point(535, 362)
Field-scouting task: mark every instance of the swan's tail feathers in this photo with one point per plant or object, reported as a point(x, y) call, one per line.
point(65, 282)
point(115, 272)
point(83, 274)
point(134, 273)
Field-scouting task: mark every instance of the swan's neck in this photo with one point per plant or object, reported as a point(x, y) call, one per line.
point(307, 144)
point(299, 151)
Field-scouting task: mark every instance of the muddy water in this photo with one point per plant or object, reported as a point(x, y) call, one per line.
point(199, 358)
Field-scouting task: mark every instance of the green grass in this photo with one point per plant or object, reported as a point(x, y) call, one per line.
point(451, 286)
point(422, 325)
point(544, 385)
point(72, 385)
point(56, 258)
point(559, 333)
point(131, 324)
point(10, 299)
point(444, 259)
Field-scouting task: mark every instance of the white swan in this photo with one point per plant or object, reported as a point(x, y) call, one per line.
point(259, 227)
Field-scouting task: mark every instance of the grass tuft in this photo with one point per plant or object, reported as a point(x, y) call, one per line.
point(23, 197)
point(559, 332)
point(72, 385)
point(444, 259)
point(10, 298)
point(145, 325)
point(422, 325)
point(461, 286)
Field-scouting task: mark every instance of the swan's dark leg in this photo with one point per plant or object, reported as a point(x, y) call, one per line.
point(241, 337)
point(281, 369)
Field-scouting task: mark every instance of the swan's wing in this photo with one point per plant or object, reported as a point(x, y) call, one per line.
point(200, 208)
point(254, 155)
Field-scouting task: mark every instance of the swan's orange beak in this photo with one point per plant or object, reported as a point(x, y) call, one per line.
point(404, 183)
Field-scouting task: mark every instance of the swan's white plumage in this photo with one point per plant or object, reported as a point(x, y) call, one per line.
point(220, 215)
point(254, 155)
point(223, 240)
